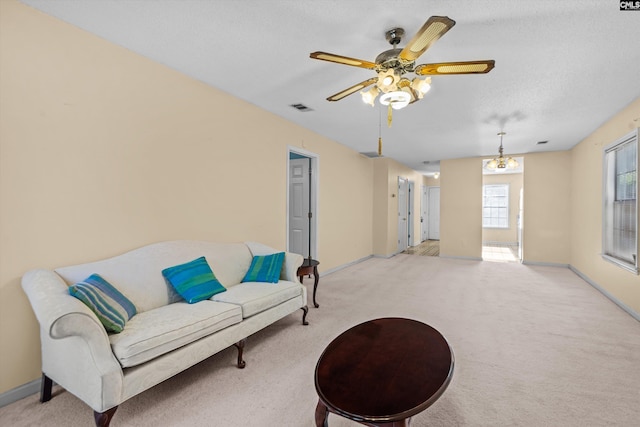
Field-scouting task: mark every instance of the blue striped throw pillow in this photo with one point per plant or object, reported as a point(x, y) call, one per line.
point(265, 268)
point(112, 308)
point(194, 281)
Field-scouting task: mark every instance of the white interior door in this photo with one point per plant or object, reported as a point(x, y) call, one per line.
point(403, 209)
point(299, 206)
point(434, 213)
point(424, 214)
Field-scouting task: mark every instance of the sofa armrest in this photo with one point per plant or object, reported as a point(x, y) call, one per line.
point(75, 345)
point(291, 261)
point(291, 264)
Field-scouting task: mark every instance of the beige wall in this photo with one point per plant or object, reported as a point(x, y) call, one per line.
point(586, 218)
point(505, 235)
point(102, 151)
point(547, 207)
point(430, 181)
point(380, 211)
point(461, 208)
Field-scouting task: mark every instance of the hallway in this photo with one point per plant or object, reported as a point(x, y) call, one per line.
point(492, 253)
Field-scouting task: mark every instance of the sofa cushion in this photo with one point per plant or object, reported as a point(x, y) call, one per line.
point(158, 331)
point(194, 281)
point(255, 297)
point(112, 308)
point(265, 268)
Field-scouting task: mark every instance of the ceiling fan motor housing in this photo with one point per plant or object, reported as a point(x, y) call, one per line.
point(389, 60)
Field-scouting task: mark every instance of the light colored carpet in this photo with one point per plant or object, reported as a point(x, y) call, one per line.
point(534, 346)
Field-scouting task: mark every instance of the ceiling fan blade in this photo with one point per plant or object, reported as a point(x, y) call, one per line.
point(324, 56)
point(467, 67)
point(338, 96)
point(431, 31)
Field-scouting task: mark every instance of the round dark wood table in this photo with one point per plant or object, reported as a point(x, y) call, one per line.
point(382, 372)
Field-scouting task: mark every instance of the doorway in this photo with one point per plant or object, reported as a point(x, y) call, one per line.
point(302, 202)
point(403, 214)
point(430, 213)
point(433, 214)
point(429, 223)
point(502, 222)
point(424, 214)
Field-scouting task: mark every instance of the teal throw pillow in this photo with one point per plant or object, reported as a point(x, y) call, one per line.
point(194, 281)
point(112, 308)
point(265, 268)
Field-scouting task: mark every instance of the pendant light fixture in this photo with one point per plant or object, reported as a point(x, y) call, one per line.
point(501, 163)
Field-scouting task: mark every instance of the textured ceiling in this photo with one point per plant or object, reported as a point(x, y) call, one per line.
point(562, 68)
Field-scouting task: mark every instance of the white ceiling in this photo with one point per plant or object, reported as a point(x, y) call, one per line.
point(562, 67)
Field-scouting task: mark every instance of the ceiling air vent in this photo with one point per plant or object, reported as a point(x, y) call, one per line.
point(301, 107)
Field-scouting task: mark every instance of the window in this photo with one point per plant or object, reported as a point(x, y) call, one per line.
point(620, 213)
point(495, 206)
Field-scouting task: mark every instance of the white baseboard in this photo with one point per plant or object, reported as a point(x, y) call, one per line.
point(20, 392)
point(340, 267)
point(607, 294)
point(546, 264)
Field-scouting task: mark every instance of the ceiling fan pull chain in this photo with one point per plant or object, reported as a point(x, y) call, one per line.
point(379, 146)
point(389, 115)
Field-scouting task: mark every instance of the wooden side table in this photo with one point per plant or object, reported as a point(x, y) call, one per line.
point(308, 267)
point(382, 372)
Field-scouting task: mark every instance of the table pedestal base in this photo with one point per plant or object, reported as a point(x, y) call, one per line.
point(322, 419)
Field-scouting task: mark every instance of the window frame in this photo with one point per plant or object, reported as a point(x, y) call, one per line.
point(611, 187)
point(508, 207)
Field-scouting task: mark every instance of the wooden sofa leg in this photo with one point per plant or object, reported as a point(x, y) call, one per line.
point(304, 316)
point(240, 346)
point(104, 418)
point(45, 388)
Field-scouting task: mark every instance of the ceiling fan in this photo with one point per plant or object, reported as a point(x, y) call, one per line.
point(392, 65)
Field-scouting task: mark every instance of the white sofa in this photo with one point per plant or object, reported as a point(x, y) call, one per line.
point(167, 335)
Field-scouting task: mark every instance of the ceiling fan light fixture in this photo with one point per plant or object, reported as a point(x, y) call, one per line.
point(397, 99)
point(421, 86)
point(369, 96)
point(413, 96)
point(387, 80)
